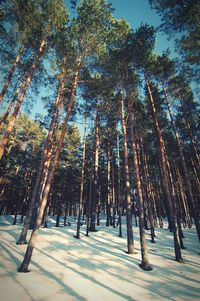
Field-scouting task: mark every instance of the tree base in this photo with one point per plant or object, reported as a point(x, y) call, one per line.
point(179, 260)
point(93, 230)
point(23, 270)
point(153, 241)
point(145, 267)
point(21, 242)
point(131, 253)
point(78, 237)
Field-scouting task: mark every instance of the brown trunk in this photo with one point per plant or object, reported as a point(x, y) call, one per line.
point(144, 252)
point(196, 177)
point(44, 165)
point(149, 199)
point(42, 184)
point(5, 116)
point(95, 175)
point(194, 146)
point(89, 204)
point(32, 241)
point(179, 229)
point(188, 188)
point(183, 198)
point(171, 213)
point(80, 209)
point(12, 120)
point(109, 194)
point(119, 205)
point(113, 192)
point(10, 74)
point(130, 241)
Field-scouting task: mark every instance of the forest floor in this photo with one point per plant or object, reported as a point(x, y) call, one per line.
point(96, 268)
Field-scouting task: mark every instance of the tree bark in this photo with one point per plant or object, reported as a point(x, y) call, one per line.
point(130, 241)
point(113, 193)
point(32, 241)
point(44, 165)
point(80, 209)
point(109, 192)
point(89, 205)
point(171, 213)
point(95, 175)
point(144, 252)
point(119, 202)
point(5, 116)
point(10, 74)
point(179, 230)
point(187, 186)
point(12, 120)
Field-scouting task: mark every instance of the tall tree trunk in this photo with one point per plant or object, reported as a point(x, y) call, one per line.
point(43, 179)
point(119, 201)
point(12, 120)
point(180, 233)
point(5, 116)
point(34, 234)
point(149, 198)
point(188, 188)
point(109, 192)
point(171, 213)
point(194, 147)
point(113, 192)
point(89, 204)
point(99, 205)
point(144, 252)
point(80, 209)
point(10, 74)
point(95, 175)
point(44, 164)
point(130, 241)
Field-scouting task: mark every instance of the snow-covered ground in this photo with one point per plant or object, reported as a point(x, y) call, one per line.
point(96, 268)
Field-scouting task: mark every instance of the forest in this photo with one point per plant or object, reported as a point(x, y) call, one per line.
point(117, 147)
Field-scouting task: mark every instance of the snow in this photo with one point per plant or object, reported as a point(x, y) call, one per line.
point(96, 268)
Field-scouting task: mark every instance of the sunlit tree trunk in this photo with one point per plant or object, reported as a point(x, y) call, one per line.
point(44, 165)
point(10, 74)
point(149, 193)
point(5, 116)
point(119, 201)
point(12, 120)
point(109, 192)
point(34, 234)
point(188, 188)
point(95, 175)
point(144, 252)
point(89, 203)
point(80, 208)
point(113, 192)
point(171, 213)
point(130, 241)
point(174, 203)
